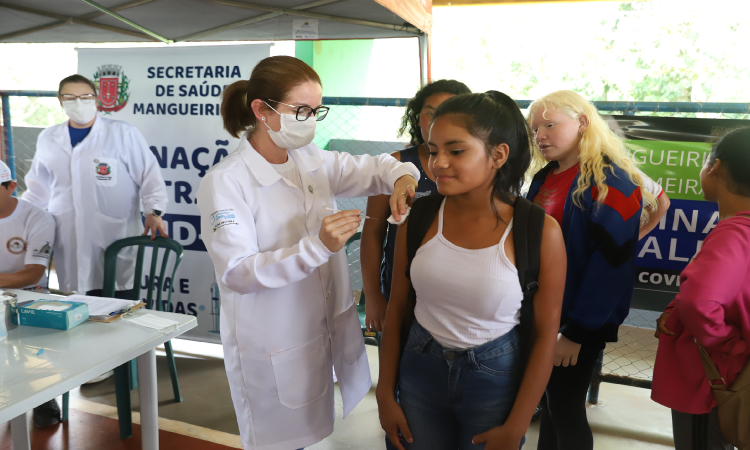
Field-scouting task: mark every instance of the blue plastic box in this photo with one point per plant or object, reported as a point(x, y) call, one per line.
point(64, 319)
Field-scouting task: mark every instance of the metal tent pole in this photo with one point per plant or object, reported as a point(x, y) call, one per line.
point(11, 156)
point(424, 58)
point(128, 21)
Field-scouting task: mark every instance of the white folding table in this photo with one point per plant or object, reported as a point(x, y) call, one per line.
point(71, 358)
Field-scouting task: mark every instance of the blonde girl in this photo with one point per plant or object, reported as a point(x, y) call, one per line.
point(586, 179)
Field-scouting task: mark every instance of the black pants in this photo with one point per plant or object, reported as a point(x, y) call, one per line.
point(698, 432)
point(564, 425)
point(125, 295)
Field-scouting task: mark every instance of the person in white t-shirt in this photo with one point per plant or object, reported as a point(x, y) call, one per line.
point(27, 234)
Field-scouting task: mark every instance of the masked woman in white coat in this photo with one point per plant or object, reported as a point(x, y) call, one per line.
point(93, 174)
point(287, 309)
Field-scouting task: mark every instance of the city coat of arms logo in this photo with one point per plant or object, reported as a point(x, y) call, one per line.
point(113, 87)
point(103, 169)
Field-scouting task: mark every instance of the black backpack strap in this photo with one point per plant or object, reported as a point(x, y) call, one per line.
point(528, 223)
point(422, 213)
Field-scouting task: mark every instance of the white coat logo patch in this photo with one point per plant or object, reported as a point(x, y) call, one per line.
point(105, 171)
point(222, 218)
point(16, 245)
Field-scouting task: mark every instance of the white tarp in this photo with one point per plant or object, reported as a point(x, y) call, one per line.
point(173, 95)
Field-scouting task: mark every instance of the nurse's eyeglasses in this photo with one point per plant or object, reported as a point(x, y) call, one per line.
point(72, 98)
point(304, 112)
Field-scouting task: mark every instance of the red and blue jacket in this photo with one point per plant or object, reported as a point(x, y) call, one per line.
point(601, 240)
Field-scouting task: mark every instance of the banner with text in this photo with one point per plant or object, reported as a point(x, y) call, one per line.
point(173, 96)
point(672, 151)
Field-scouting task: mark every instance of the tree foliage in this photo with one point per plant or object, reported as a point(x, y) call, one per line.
point(658, 50)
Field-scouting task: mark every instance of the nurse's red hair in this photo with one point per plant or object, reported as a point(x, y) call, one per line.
point(272, 79)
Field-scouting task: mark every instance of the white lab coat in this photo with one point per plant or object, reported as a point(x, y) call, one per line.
point(93, 208)
point(287, 309)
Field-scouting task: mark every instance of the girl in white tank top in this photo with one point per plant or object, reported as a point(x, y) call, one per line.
point(465, 297)
point(460, 379)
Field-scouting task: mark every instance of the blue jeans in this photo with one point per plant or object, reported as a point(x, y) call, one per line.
point(450, 395)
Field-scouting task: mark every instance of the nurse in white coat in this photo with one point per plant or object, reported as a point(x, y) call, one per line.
point(92, 174)
point(287, 311)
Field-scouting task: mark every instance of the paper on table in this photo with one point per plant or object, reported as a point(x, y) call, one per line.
point(103, 306)
point(153, 321)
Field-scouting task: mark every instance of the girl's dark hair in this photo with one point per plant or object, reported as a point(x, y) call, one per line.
point(410, 121)
point(76, 79)
point(495, 118)
point(271, 79)
point(733, 149)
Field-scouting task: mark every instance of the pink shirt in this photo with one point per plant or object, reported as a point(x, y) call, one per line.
point(713, 306)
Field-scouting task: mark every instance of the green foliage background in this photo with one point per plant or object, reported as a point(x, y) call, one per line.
point(657, 50)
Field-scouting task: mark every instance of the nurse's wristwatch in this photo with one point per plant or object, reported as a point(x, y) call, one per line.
point(155, 212)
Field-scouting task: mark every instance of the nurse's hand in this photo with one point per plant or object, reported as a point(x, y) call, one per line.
point(154, 224)
point(403, 193)
point(338, 228)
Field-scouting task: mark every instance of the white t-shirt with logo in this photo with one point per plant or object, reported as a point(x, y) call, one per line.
point(26, 237)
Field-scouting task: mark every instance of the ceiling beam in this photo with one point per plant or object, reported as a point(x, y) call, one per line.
point(311, 15)
point(59, 23)
point(128, 21)
point(70, 20)
point(241, 23)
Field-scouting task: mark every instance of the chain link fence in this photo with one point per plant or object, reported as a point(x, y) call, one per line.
point(360, 130)
point(368, 126)
point(30, 115)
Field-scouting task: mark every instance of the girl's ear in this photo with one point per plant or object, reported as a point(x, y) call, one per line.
point(716, 168)
point(500, 155)
point(583, 121)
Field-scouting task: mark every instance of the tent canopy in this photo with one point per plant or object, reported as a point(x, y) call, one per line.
point(207, 20)
point(501, 2)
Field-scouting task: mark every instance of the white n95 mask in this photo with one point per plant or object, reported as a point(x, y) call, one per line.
point(293, 133)
point(80, 111)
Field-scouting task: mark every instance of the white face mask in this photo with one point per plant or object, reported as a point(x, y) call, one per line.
point(80, 111)
point(293, 133)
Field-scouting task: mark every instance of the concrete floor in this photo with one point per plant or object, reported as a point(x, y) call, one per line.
point(625, 418)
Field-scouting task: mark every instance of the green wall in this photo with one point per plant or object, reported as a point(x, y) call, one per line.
point(343, 65)
point(362, 68)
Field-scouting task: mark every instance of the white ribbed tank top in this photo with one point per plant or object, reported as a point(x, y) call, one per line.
point(465, 297)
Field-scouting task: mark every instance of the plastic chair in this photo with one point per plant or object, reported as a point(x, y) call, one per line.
point(49, 268)
point(370, 337)
point(126, 374)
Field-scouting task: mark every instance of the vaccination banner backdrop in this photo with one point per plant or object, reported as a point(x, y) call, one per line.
point(672, 151)
point(173, 96)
